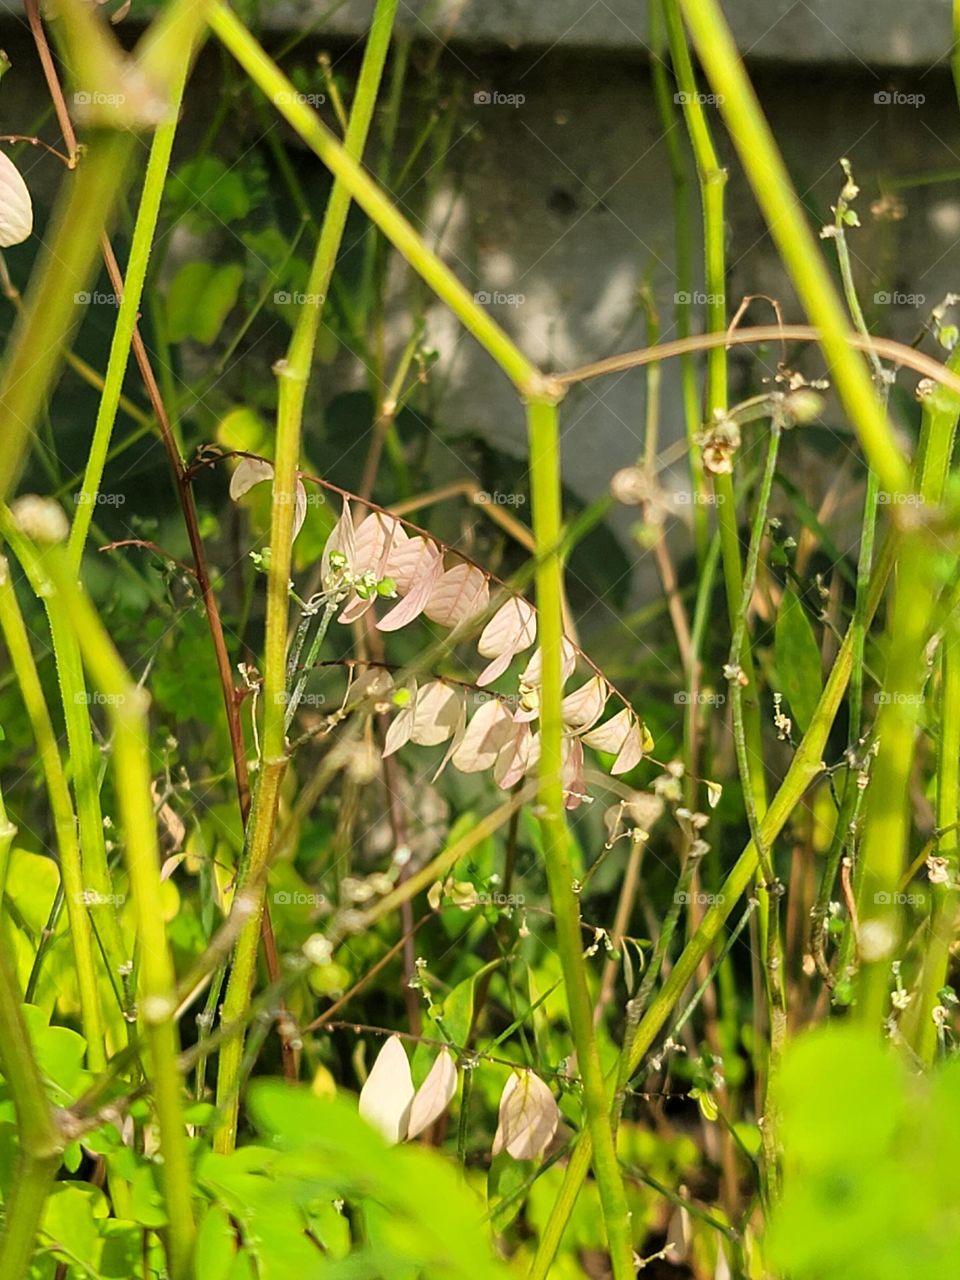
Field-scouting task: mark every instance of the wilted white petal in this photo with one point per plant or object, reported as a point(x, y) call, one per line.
point(387, 1096)
point(434, 1095)
point(517, 757)
point(528, 1117)
point(459, 594)
point(16, 209)
point(250, 471)
point(487, 734)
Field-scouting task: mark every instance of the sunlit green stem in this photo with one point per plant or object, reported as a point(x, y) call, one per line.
point(127, 706)
point(129, 309)
point(293, 373)
point(545, 479)
point(793, 237)
point(41, 1142)
point(61, 808)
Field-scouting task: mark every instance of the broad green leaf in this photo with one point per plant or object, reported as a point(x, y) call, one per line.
point(200, 298)
point(798, 660)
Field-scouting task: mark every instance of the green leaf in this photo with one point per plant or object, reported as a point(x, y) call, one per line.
point(798, 660)
point(200, 298)
point(216, 1245)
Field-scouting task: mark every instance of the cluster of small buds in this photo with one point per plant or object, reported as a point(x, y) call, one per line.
point(782, 723)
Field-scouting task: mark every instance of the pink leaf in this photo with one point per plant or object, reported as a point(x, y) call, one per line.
point(486, 735)
point(528, 1117)
point(437, 714)
point(631, 752)
point(458, 734)
point(414, 603)
point(518, 757)
point(341, 540)
point(460, 593)
point(250, 471)
point(584, 706)
point(611, 735)
point(401, 726)
point(300, 510)
point(434, 1095)
point(533, 671)
point(409, 560)
point(16, 209)
point(512, 629)
point(387, 1095)
point(573, 782)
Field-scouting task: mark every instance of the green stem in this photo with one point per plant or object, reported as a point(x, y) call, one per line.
point(129, 310)
point(61, 808)
point(127, 706)
point(41, 1143)
point(544, 448)
point(293, 373)
point(84, 758)
point(684, 273)
point(806, 765)
point(305, 122)
point(788, 227)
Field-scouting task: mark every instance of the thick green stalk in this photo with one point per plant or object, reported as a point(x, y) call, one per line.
point(544, 448)
point(378, 207)
point(293, 373)
point(788, 227)
point(143, 233)
point(127, 707)
point(61, 808)
point(41, 1142)
point(84, 758)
